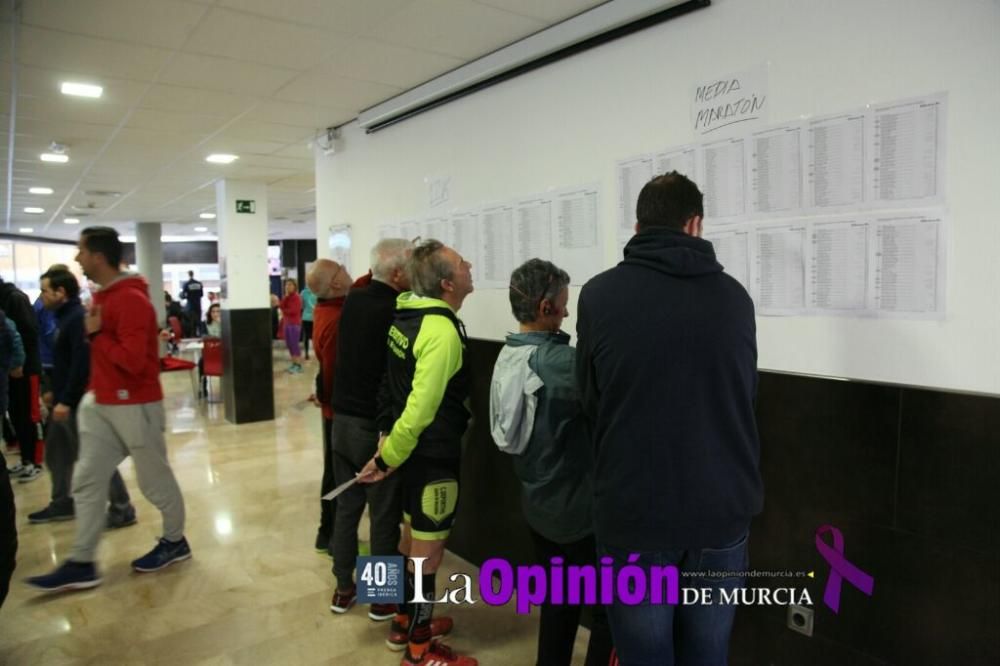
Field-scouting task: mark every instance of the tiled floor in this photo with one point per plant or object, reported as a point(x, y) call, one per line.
point(255, 592)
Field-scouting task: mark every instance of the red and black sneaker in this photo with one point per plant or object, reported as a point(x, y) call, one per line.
point(382, 612)
point(437, 654)
point(399, 634)
point(342, 601)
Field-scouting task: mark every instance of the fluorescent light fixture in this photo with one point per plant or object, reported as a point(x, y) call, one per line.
point(34, 210)
point(54, 157)
point(40, 190)
point(81, 89)
point(221, 158)
point(201, 229)
point(26, 230)
point(207, 216)
point(70, 220)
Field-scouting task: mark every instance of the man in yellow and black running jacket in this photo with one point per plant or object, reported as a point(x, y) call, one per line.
point(422, 410)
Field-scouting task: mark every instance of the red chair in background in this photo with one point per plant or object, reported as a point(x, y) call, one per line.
point(211, 361)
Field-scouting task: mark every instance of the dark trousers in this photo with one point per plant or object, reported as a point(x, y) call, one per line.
point(354, 443)
point(558, 623)
point(62, 447)
point(25, 416)
point(8, 531)
point(307, 333)
point(327, 508)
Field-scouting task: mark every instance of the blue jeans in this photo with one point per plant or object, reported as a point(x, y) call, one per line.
point(679, 635)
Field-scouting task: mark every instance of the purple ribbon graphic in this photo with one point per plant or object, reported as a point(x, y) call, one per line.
point(840, 568)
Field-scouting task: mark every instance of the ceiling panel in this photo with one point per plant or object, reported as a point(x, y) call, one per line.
point(324, 87)
point(167, 121)
point(69, 133)
point(344, 16)
point(550, 11)
point(89, 55)
point(246, 37)
point(195, 100)
point(237, 146)
point(399, 66)
point(303, 115)
point(163, 23)
point(246, 78)
point(284, 134)
point(63, 109)
point(457, 28)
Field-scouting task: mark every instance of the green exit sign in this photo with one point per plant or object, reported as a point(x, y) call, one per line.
point(246, 206)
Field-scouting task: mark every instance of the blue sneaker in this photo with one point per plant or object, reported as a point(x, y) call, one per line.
point(163, 555)
point(70, 576)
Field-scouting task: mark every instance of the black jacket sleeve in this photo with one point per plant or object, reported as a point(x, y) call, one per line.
point(585, 379)
point(79, 370)
point(383, 402)
point(19, 309)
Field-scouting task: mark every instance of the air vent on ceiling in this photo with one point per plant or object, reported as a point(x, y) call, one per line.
point(102, 193)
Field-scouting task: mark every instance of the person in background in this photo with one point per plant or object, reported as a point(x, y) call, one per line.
point(70, 375)
point(212, 328)
point(192, 292)
point(536, 417)
point(308, 303)
point(24, 397)
point(291, 321)
point(121, 415)
point(361, 352)
point(330, 282)
point(11, 356)
point(46, 334)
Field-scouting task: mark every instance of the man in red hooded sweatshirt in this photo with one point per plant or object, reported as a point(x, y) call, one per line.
point(121, 415)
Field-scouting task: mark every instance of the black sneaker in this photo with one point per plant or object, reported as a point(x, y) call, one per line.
point(163, 555)
point(119, 519)
point(70, 576)
point(51, 514)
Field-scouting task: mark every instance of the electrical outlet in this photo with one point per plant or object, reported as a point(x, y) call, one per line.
point(800, 619)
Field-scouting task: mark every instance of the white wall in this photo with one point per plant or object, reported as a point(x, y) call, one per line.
point(568, 123)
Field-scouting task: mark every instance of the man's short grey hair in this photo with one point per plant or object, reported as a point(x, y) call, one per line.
point(426, 267)
point(532, 282)
point(388, 255)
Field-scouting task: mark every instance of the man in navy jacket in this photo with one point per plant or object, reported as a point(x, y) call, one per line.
point(70, 376)
point(667, 367)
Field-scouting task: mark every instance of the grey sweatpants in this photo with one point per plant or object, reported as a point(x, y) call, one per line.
point(109, 433)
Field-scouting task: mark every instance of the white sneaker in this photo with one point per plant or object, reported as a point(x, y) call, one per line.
point(29, 473)
point(15, 470)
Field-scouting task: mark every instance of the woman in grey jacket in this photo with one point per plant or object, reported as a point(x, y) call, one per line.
point(536, 417)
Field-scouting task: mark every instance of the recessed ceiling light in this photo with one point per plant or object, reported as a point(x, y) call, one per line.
point(81, 89)
point(54, 157)
point(207, 216)
point(34, 210)
point(26, 230)
point(201, 229)
point(71, 220)
point(40, 190)
point(221, 158)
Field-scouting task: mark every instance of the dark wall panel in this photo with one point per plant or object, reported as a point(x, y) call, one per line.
point(911, 477)
point(188, 252)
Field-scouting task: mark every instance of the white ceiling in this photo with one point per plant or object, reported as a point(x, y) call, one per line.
point(183, 79)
